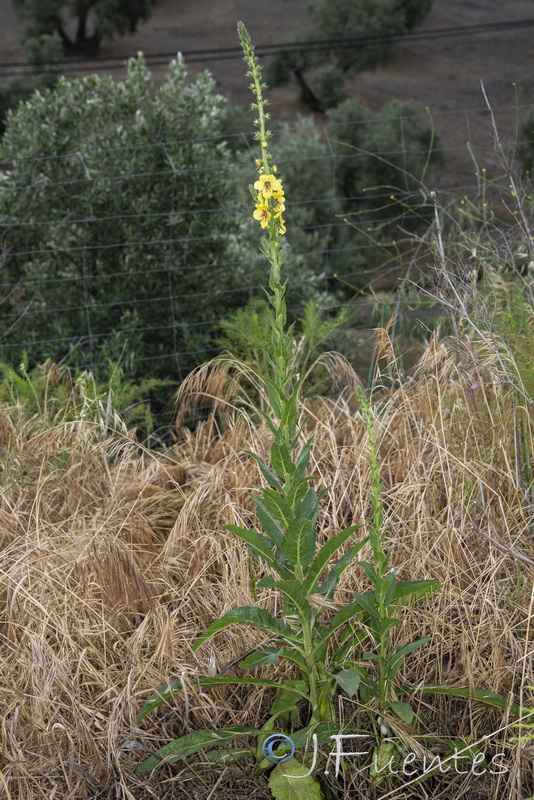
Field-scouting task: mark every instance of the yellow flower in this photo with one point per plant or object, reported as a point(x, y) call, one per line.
point(268, 185)
point(281, 225)
point(278, 204)
point(262, 214)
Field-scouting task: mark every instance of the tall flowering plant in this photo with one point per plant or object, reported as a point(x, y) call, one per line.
point(286, 543)
point(329, 653)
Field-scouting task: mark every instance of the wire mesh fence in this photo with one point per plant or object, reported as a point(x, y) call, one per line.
point(135, 254)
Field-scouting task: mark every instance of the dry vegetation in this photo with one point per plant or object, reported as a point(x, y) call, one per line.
point(114, 559)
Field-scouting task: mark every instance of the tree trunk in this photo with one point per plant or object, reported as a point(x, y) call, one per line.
point(68, 45)
point(307, 95)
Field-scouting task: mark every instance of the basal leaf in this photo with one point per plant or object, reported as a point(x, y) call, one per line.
point(349, 680)
point(192, 743)
point(288, 782)
point(167, 690)
point(402, 710)
point(481, 695)
point(249, 615)
point(268, 655)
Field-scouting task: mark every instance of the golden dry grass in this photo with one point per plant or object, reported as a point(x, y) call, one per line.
point(115, 559)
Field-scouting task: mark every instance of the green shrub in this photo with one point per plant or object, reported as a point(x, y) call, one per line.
point(119, 223)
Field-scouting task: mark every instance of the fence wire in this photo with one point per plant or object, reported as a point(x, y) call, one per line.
point(168, 288)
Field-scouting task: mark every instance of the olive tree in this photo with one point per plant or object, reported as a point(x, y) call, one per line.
point(81, 24)
point(119, 221)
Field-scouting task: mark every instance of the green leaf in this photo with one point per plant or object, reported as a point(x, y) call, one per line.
point(260, 546)
point(394, 662)
point(309, 506)
point(225, 757)
point(286, 782)
point(269, 476)
point(277, 507)
point(281, 461)
point(416, 588)
point(278, 401)
point(293, 590)
point(167, 690)
point(299, 545)
point(367, 601)
point(286, 699)
point(324, 555)
point(269, 655)
point(191, 743)
point(266, 582)
point(368, 656)
point(248, 615)
point(349, 680)
point(402, 710)
point(340, 619)
point(389, 622)
point(328, 586)
point(481, 695)
point(303, 459)
point(369, 570)
point(270, 525)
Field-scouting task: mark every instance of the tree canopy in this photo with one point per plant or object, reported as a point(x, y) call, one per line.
point(81, 24)
point(344, 19)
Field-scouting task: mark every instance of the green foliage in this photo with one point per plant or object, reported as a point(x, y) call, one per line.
point(95, 20)
point(17, 88)
point(336, 19)
point(54, 393)
point(515, 318)
point(342, 19)
point(330, 84)
point(283, 787)
point(103, 217)
point(389, 156)
point(247, 334)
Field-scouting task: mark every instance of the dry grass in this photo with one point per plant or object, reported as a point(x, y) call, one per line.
point(115, 559)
